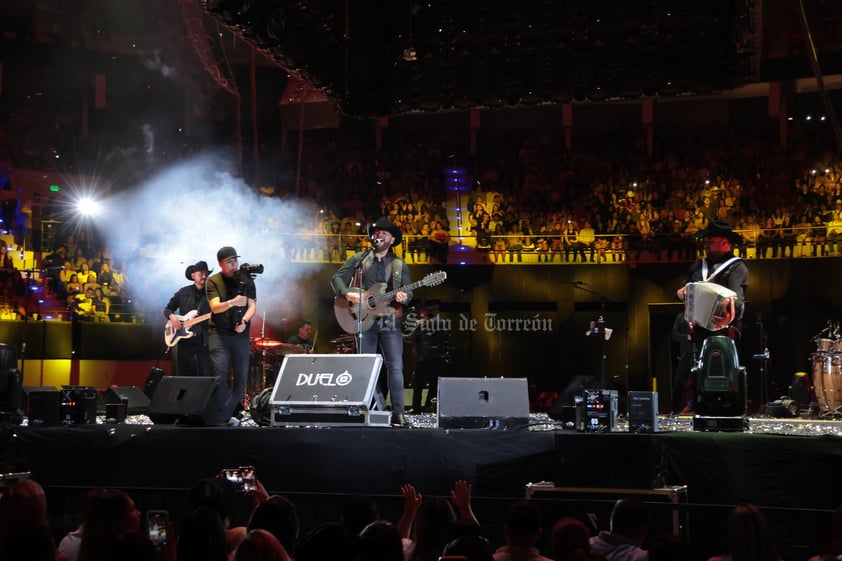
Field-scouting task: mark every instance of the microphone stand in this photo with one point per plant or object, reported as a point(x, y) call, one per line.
point(263, 352)
point(598, 328)
point(358, 273)
point(763, 358)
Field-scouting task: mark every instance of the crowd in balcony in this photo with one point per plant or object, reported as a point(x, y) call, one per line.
point(529, 199)
point(532, 200)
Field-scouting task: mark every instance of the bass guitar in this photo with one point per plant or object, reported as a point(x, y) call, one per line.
point(375, 302)
point(173, 336)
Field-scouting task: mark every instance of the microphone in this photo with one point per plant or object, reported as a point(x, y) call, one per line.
point(376, 241)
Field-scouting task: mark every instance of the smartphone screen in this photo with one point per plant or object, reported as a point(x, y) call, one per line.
point(156, 526)
point(247, 477)
point(243, 477)
point(233, 475)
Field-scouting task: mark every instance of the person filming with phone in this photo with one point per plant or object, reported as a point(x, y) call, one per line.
point(112, 530)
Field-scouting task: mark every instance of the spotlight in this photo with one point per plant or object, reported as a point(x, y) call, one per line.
point(88, 207)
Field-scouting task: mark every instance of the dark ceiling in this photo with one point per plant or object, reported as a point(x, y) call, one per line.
point(387, 57)
point(378, 57)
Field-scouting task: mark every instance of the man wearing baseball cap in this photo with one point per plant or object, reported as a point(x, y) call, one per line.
point(233, 301)
point(189, 344)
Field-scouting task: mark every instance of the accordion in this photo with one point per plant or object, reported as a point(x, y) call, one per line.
point(709, 305)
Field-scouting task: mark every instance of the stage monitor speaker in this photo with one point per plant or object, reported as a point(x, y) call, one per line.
point(191, 400)
point(137, 402)
point(42, 405)
point(483, 403)
point(152, 381)
point(329, 389)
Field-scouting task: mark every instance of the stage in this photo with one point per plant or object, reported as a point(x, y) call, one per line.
point(790, 467)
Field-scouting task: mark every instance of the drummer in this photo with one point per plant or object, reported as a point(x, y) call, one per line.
point(721, 267)
point(305, 328)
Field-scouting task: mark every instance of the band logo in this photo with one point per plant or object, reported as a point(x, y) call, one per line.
point(324, 379)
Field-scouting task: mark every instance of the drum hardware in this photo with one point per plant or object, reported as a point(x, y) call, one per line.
point(262, 343)
point(345, 344)
point(343, 339)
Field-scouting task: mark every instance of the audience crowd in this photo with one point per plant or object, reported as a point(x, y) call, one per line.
point(527, 198)
point(220, 521)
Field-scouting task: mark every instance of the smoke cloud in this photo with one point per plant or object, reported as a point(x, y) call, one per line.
point(185, 214)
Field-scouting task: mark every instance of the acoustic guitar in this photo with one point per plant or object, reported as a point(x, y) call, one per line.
point(375, 302)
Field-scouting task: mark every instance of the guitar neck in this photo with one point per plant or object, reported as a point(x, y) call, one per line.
point(196, 320)
point(387, 296)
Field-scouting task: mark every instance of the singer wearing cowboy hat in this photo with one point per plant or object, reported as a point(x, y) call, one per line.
point(380, 265)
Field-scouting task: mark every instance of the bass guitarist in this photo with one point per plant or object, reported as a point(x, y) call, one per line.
point(190, 356)
point(362, 271)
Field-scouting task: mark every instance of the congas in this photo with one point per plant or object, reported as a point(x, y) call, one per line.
point(832, 384)
point(824, 345)
point(827, 381)
point(709, 305)
point(822, 363)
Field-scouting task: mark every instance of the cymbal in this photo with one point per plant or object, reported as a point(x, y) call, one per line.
point(263, 343)
point(343, 339)
point(289, 349)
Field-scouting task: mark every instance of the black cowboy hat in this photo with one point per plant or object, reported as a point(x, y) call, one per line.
point(719, 229)
point(384, 224)
point(198, 266)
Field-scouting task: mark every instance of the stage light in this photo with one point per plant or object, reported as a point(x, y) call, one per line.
point(88, 207)
point(721, 400)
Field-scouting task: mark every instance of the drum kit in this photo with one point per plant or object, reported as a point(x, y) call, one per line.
point(827, 371)
point(268, 354)
point(265, 362)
